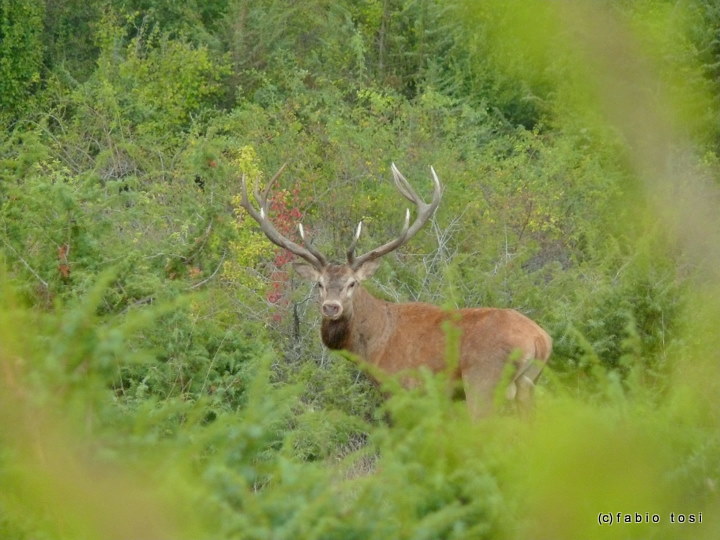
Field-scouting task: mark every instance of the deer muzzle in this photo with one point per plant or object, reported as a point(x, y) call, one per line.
point(332, 310)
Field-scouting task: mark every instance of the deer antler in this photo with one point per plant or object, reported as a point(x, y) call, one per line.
point(308, 252)
point(424, 211)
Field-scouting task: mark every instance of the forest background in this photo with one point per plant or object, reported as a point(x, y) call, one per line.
point(161, 374)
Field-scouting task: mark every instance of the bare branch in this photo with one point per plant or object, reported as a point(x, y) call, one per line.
point(204, 281)
point(26, 264)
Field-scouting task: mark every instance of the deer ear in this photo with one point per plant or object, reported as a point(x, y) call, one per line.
point(367, 269)
point(306, 271)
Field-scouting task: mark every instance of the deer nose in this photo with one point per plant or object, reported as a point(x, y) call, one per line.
point(332, 310)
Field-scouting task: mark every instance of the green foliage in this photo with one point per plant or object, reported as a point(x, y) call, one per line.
point(159, 83)
point(69, 40)
point(278, 465)
point(159, 362)
point(21, 53)
point(176, 81)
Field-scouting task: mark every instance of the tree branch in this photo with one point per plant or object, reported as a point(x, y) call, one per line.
point(26, 264)
point(204, 281)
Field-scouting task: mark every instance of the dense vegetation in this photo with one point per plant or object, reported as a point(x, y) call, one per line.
point(161, 374)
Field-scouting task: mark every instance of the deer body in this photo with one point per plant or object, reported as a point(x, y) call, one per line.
point(398, 338)
point(496, 345)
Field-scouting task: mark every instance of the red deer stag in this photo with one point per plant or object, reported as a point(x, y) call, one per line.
point(395, 337)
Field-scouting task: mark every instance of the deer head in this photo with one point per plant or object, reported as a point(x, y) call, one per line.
point(337, 283)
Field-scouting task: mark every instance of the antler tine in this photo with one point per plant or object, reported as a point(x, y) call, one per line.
point(351, 249)
point(403, 186)
point(262, 200)
point(272, 181)
point(438, 186)
point(424, 211)
point(308, 253)
point(245, 201)
point(403, 237)
point(319, 256)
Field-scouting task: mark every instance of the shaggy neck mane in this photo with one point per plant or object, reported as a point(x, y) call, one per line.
point(336, 334)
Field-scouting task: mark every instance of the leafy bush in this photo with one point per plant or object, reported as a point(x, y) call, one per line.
point(161, 373)
point(21, 54)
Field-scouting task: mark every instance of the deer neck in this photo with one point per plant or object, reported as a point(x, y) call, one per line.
point(360, 332)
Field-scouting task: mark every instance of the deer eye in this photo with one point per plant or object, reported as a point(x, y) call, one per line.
point(352, 284)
